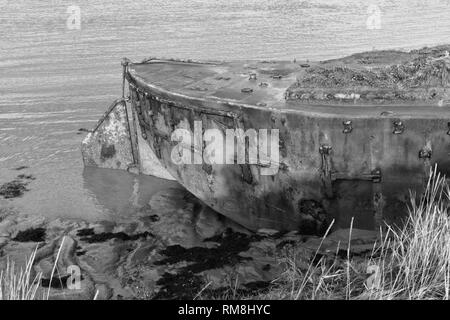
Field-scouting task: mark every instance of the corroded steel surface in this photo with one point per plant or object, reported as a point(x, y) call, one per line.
point(356, 134)
point(108, 145)
point(116, 143)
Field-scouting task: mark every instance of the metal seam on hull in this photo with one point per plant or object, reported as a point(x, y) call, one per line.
point(325, 170)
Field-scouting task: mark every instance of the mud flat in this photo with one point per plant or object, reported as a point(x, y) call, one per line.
point(172, 248)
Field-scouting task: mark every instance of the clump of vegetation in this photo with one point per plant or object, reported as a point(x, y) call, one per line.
point(19, 284)
point(88, 235)
point(414, 262)
point(408, 262)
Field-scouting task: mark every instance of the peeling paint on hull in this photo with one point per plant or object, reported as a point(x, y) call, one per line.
point(108, 145)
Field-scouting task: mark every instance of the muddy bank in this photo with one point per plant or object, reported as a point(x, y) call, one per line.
point(173, 248)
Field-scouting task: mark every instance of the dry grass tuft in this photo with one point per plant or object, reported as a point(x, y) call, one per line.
point(18, 284)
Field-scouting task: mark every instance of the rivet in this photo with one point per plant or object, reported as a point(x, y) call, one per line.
point(425, 154)
point(325, 149)
point(376, 175)
point(247, 90)
point(399, 127)
point(144, 135)
point(347, 126)
point(252, 76)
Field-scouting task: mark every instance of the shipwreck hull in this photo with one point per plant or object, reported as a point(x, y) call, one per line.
point(355, 135)
point(371, 169)
point(337, 161)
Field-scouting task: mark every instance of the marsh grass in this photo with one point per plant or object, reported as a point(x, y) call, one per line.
point(414, 261)
point(411, 261)
point(408, 262)
point(18, 283)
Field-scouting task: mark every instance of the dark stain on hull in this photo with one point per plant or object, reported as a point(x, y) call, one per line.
point(107, 151)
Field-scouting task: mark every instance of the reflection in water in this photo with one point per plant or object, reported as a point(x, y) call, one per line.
point(119, 193)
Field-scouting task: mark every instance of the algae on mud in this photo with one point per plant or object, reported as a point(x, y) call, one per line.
point(30, 235)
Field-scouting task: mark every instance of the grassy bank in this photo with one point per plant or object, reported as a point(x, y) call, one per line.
point(19, 283)
point(411, 262)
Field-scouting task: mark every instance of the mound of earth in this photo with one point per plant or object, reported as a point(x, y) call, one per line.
point(378, 77)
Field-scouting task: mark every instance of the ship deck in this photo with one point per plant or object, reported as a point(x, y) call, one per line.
point(281, 85)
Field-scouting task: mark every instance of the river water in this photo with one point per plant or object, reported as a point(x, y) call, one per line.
point(57, 76)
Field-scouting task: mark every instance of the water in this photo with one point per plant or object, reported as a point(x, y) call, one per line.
point(55, 80)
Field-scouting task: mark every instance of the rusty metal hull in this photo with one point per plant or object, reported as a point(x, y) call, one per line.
point(338, 160)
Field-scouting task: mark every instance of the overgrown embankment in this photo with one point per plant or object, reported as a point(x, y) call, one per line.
point(411, 262)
